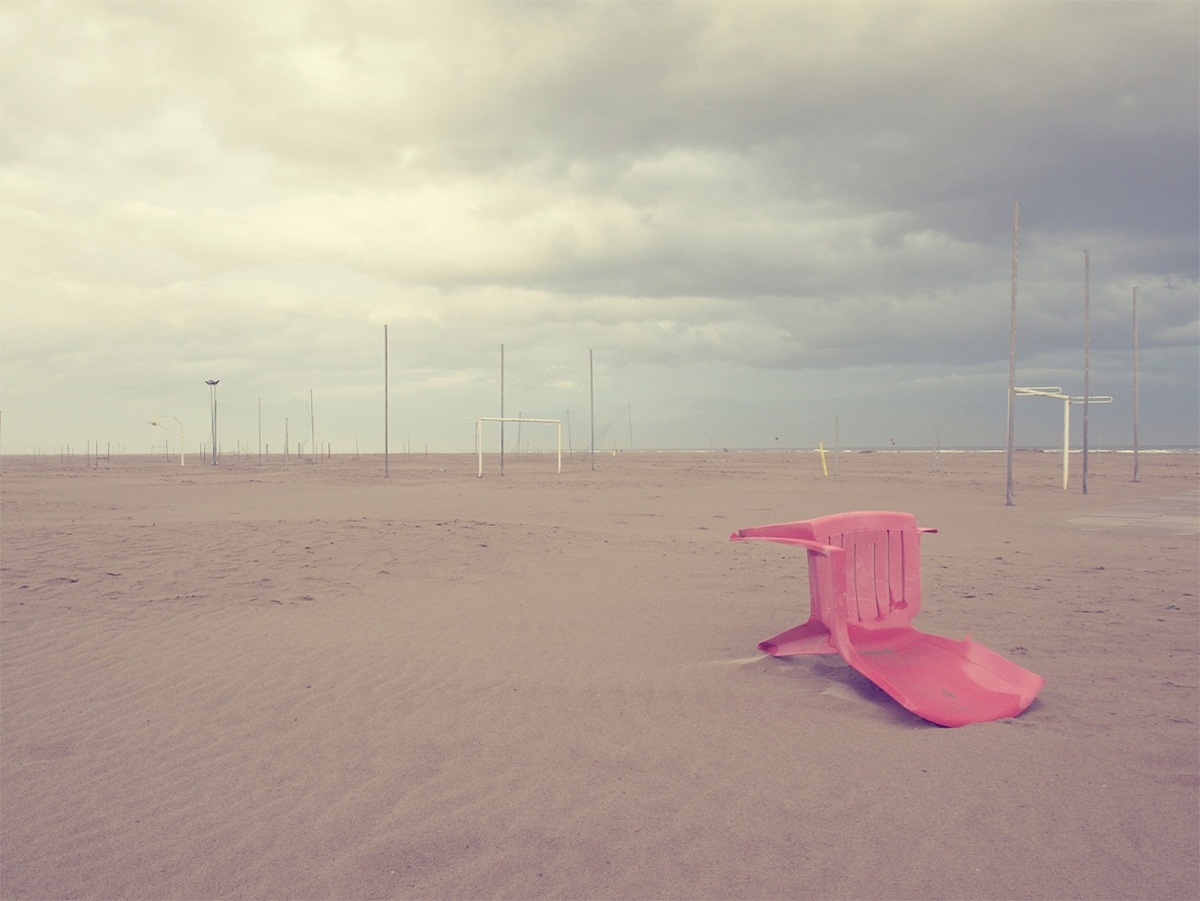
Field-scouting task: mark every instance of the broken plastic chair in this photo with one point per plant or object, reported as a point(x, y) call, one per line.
point(864, 575)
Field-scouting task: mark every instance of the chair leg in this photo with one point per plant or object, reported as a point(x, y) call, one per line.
point(807, 638)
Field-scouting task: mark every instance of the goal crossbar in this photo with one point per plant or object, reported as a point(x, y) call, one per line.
point(479, 435)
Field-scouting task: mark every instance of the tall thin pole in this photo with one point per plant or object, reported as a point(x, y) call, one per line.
point(501, 409)
point(1087, 324)
point(1135, 387)
point(385, 402)
point(592, 400)
point(1012, 362)
point(312, 425)
point(1066, 440)
point(837, 442)
point(260, 431)
point(212, 389)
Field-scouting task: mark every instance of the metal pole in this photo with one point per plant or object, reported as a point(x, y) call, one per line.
point(385, 403)
point(592, 396)
point(212, 389)
point(837, 442)
point(1012, 362)
point(260, 431)
point(1066, 437)
point(312, 425)
point(1087, 317)
point(501, 409)
point(1135, 387)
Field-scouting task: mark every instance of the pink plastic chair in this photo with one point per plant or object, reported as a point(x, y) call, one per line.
point(864, 575)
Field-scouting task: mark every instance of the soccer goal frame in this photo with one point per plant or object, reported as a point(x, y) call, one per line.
point(1056, 393)
point(479, 435)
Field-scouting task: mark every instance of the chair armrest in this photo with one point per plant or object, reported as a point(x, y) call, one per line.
point(814, 546)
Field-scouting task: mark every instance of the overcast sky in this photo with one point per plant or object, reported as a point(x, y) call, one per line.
point(760, 218)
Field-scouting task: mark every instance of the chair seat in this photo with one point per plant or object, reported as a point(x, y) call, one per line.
point(951, 683)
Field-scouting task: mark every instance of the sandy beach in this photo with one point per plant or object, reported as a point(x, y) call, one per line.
point(248, 681)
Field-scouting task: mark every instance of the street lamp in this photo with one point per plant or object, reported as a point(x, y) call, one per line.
point(155, 421)
point(212, 393)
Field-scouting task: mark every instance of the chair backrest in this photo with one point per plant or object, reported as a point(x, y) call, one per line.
point(881, 568)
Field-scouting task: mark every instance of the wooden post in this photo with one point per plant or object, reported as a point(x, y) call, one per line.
point(837, 442)
point(1135, 387)
point(385, 403)
point(1087, 316)
point(1012, 361)
point(501, 410)
point(1066, 452)
point(592, 398)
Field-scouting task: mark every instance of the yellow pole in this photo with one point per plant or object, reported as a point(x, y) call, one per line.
point(824, 468)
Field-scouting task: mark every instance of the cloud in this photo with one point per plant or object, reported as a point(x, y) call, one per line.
point(718, 197)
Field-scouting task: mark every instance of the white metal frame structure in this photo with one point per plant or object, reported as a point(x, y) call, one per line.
point(1055, 392)
point(479, 435)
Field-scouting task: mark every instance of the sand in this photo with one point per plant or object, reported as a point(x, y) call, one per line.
point(250, 682)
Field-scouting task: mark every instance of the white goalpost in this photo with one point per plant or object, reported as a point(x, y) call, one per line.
point(1056, 393)
point(479, 435)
